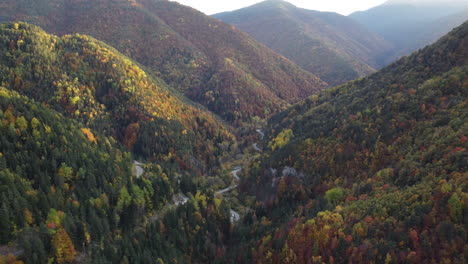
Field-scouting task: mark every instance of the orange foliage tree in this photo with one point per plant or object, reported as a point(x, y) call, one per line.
point(64, 249)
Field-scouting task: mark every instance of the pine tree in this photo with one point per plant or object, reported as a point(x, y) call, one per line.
point(5, 226)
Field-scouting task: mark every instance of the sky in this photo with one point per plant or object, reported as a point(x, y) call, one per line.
point(344, 7)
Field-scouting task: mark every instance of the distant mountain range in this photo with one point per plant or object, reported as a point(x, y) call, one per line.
point(332, 46)
point(338, 48)
point(210, 62)
point(409, 25)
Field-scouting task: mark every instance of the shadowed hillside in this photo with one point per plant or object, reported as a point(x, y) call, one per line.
point(332, 46)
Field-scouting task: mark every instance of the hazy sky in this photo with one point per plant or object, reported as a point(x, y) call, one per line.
point(344, 7)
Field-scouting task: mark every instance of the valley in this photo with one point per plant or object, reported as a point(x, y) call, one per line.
point(146, 131)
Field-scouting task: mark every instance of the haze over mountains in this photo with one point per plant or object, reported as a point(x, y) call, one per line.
point(409, 25)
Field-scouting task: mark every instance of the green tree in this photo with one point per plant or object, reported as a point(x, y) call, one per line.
point(334, 195)
point(65, 172)
point(5, 225)
point(22, 123)
point(455, 207)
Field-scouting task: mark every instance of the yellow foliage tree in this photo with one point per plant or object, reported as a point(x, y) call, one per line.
point(282, 139)
point(89, 135)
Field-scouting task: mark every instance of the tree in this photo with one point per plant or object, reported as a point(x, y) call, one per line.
point(282, 139)
point(455, 207)
point(65, 172)
point(334, 195)
point(22, 123)
point(64, 249)
point(5, 226)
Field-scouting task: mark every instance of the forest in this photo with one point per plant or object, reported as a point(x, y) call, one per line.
point(373, 171)
point(208, 61)
point(103, 159)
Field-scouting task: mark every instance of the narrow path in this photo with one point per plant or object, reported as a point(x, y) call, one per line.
point(234, 216)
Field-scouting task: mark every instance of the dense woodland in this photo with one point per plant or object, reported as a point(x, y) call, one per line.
point(372, 171)
point(209, 61)
point(89, 81)
point(66, 171)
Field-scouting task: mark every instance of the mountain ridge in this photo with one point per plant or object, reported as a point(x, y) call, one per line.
point(88, 80)
point(208, 61)
point(332, 46)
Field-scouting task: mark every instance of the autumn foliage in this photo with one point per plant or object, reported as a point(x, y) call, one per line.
point(63, 246)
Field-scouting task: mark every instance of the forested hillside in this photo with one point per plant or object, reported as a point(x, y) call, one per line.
point(91, 82)
point(371, 171)
point(104, 160)
point(334, 47)
point(68, 190)
point(209, 61)
point(64, 185)
point(68, 195)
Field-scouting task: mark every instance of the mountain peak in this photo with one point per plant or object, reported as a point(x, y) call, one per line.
point(330, 45)
point(274, 4)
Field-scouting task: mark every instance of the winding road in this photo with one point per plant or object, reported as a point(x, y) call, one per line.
point(234, 174)
point(181, 199)
point(255, 145)
point(138, 168)
point(262, 134)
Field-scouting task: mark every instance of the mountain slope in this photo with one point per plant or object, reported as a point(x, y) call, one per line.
point(371, 171)
point(62, 184)
point(411, 25)
point(334, 47)
point(89, 81)
point(68, 195)
point(210, 62)
point(68, 191)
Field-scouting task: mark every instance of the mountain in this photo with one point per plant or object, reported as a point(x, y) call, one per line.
point(68, 194)
point(332, 46)
point(74, 114)
point(210, 62)
point(409, 25)
point(91, 82)
point(371, 171)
